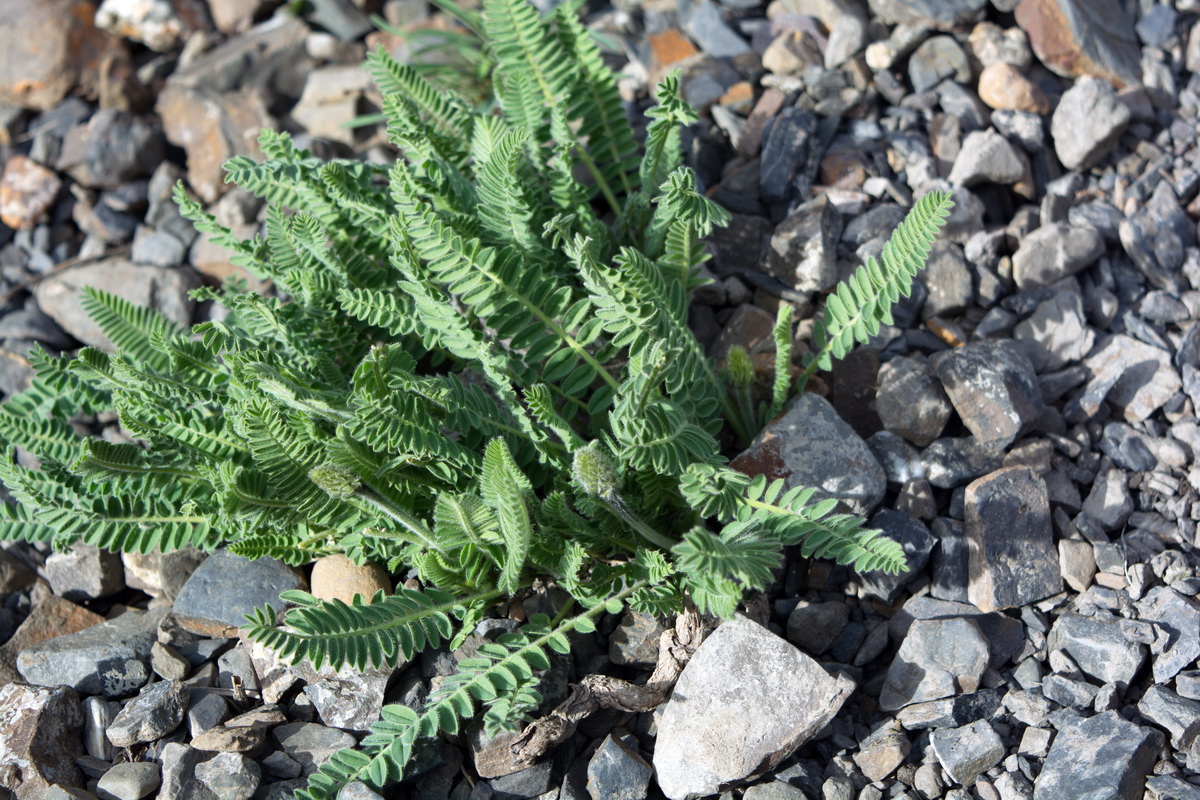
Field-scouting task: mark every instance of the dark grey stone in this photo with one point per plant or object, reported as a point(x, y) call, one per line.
point(708, 30)
point(121, 676)
point(900, 460)
point(917, 542)
point(938, 658)
point(1012, 559)
point(1180, 616)
point(1102, 757)
point(71, 660)
point(950, 712)
point(532, 782)
point(911, 402)
point(813, 627)
point(1023, 127)
point(342, 18)
point(785, 153)
point(1099, 647)
point(951, 462)
point(1069, 692)
point(153, 714)
point(967, 752)
point(993, 388)
point(1177, 715)
point(803, 252)
point(635, 641)
point(950, 572)
point(617, 771)
point(225, 588)
point(112, 148)
point(940, 14)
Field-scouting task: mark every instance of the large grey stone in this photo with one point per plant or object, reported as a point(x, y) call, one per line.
point(917, 542)
point(1057, 333)
point(993, 388)
point(1136, 377)
point(1102, 757)
point(72, 660)
point(810, 445)
point(938, 658)
point(1179, 716)
point(1098, 646)
point(310, 745)
point(941, 14)
point(225, 588)
point(618, 772)
point(85, 573)
point(987, 157)
point(130, 780)
point(1053, 252)
point(911, 401)
point(1012, 559)
point(803, 252)
point(1179, 616)
point(1087, 123)
point(151, 715)
point(967, 752)
point(745, 701)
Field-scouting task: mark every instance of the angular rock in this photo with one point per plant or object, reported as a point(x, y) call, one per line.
point(967, 752)
point(882, 752)
point(951, 462)
point(27, 192)
point(813, 627)
point(150, 716)
point(938, 58)
point(346, 698)
point(1109, 501)
point(917, 542)
point(785, 156)
point(333, 96)
point(161, 25)
point(1178, 715)
point(130, 780)
point(50, 618)
point(948, 279)
point(810, 445)
point(994, 389)
point(716, 729)
point(310, 745)
point(1099, 647)
point(39, 738)
point(161, 574)
point(229, 776)
point(122, 676)
point(1134, 376)
point(1180, 617)
point(617, 771)
point(1004, 88)
point(51, 47)
point(111, 148)
point(950, 712)
point(938, 658)
point(1012, 560)
point(1076, 38)
point(941, 14)
point(1057, 333)
point(1087, 123)
point(179, 762)
point(72, 660)
point(1053, 252)
point(706, 28)
point(161, 289)
point(803, 250)
point(225, 588)
point(85, 572)
point(1102, 756)
point(986, 156)
point(635, 641)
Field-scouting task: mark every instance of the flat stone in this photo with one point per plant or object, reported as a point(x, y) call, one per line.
point(987, 157)
point(618, 772)
point(1057, 333)
point(1053, 252)
point(50, 618)
point(1005, 635)
point(967, 752)
point(1180, 617)
point(39, 738)
point(810, 445)
point(882, 752)
point(1087, 123)
point(1179, 716)
point(707, 29)
point(161, 574)
point(950, 712)
point(85, 572)
point(994, 389)
point(1004, 88)
point(1101, 756)
point(1109, 502)
point(1012, 561)
point(745, 701)
point(153, 714)
point(940, 14)
point(72, 660)
point(130, 780)
point(333, 95)
point(346, 698)
point(311, 745)
point(938, 658)
point(1134, 376)
point(179, 762)
point(948, 279)
point(1075, 38)
point(226, 587)
point(918, 544)
point(952, 461)
point(813, 627)
point(163, 290)
point(229, 776)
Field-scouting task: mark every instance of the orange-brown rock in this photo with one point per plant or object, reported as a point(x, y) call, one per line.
point(27, 192)
point(52, 617)
point(337, 577)
point(1002, 86)
point(1074, 38)
point(670, 47)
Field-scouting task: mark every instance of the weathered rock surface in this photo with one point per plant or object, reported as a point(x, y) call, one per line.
point(39, 738)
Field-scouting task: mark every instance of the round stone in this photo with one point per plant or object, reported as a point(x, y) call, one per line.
point(337, 577)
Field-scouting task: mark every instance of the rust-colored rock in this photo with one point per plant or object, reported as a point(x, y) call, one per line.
point(670, 47)
point(50, 618)
point(27, 192)
point(1076, 38)
point(50, 47)
point(1002, 86)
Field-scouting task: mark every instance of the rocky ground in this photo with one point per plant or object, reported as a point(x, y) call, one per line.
point(1028, 430)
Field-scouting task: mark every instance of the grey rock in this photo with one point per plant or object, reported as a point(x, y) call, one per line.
point(153, 714)
point(951, 462)
point(882, 752)
point(708, 30)
point(206, 711)
point(810, 445)
point(280, 765)
point(346, 698)
point(911, 401)
point(1170, 787)
point(785, 156)
point(157, 248)
point(879, 221)
point(356, 790)
point(1069, 692)
point(917, 542)
point(950, 568)
point(342, 18)
point(774, 790)
point(85, 573)
point(803, 252)
point(938, 658)
point(226, 587)
point(71, 660)
point(993, 388)
point(161, 289)
point(715, 730)
point(1179, 716)
point(286, 790)
point(1087, 123)
point(846, 39)
point(111, 148)
point(98, 715)
point(130, 780)
point(617, 771)
point(29, 323)
point(635, 641)
point(167, 663)
point(310, 745)
point(936, 59)
point(948, 279)
point(1053, 252)
point(1057, 333)
point(900, 460)
point(1023, 127)
point(967, 752)
point(813, 627)
point(1157, 26)
point(1012, 560)
point(1133, 375)
point(1180, 617)
point(1098, 646)
point(987, 157)
point(39, 738)
point(179, 782)
point(235, 668)
point(122, 676)
point(940, 14)
point(1102, 756)
point(950, 712)
point(532, 782)
point(1109, 502)
point(229, 776)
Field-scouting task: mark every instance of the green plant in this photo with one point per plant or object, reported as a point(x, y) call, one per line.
point(478, 366)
